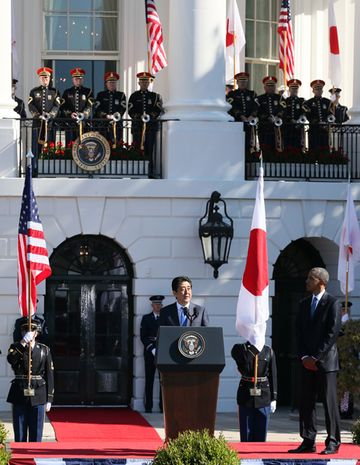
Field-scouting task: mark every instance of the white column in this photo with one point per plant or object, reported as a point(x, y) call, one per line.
point(204, 144)
point(355, 58)
point(8, 160)
point(196, 60)
point(6, 102)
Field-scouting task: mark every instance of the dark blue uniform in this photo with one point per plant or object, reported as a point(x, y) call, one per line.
point(76, 100)
point(148, 331)
point(20, 107)
point(108, 103)
point(318, 110)
point(29, 412)
point(269, 106)
point(254, 410)
point(150, 103)
point(293, 133)
point(42, 100)
point(243, 104)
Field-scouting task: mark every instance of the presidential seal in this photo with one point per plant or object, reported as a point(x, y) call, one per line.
point(92, 153)
point(191, 344)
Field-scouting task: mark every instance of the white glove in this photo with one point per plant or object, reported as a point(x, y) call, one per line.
point(29, 336)
point(273, 406)
point(48, 406)
point(153, 351)
point(345, 318)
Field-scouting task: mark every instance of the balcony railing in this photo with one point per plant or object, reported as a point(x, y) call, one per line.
point(133, 153)
point(335, 158)
point(310, 153)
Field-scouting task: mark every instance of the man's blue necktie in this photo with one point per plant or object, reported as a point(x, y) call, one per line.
point(183, 320)
point(313, 305)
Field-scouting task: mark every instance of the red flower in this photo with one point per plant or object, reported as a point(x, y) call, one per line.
point(52, 145)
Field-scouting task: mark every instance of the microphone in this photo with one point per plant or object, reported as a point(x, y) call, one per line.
point(191, 316)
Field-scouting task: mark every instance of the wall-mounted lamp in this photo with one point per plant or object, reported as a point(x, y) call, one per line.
point(216, 233)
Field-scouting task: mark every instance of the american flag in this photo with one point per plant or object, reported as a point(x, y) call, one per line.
point(155, 38)
point(33, 261)
point(286, 41)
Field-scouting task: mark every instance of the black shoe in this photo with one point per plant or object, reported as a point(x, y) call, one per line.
point(303, 449)
point(148, 410)
point(330, 449)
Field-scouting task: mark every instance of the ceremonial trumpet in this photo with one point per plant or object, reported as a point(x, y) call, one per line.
point(331, 119)
point(145, 118)
point(45, 116)
point(79, 116)
point(302, 120)
point(276, 120)
point(253, 121)
point(116, 117)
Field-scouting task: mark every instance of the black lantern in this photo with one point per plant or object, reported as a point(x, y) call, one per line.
point(216, 233)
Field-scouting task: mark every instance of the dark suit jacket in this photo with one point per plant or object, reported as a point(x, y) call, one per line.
point(148, 330)
point(169, 315)
point(317, 336)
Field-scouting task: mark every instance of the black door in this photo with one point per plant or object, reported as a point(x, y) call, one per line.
point(290, 272)
point(90, 326)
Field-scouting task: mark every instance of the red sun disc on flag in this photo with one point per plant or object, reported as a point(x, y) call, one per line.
point(256, 277)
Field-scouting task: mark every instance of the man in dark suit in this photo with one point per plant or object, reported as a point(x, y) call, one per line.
point(317, 328)
point(183, 312)
point(148, 331)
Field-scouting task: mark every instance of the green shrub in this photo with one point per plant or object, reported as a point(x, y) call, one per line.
point(3, 434)
point(4, 456)
point(356, 432)
point(349, 349)
point(196, 448)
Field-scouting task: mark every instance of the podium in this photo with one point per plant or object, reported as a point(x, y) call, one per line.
point(190, 360)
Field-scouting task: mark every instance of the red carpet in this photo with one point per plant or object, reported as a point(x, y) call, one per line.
point(101, 424)
point(119, 434)
point(279, 450)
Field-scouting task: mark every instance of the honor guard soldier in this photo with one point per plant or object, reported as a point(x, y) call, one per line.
point(145, 107)
point(270, 114)
point(294, 117)
point(339, 111)
point(110, 104)
point(44, 104)
point(228, 88)
point(77, 103)
point(242, 100)
point(30, 399)
point(20, 105)
point(243, 105)
point(318, 111)
point(255, 400)
point(148, 331)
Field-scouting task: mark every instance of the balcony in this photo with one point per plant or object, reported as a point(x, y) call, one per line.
point(58, 151)
point(335, 159)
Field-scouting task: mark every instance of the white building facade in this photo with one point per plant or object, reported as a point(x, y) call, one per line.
point(153, 223)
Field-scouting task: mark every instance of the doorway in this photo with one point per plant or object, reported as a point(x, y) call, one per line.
point(290, 272)
point(89, 314)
